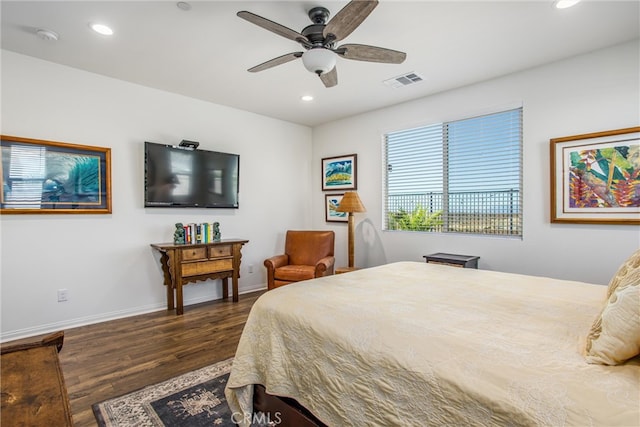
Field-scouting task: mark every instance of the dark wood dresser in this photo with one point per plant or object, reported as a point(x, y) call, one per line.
point(33, 389)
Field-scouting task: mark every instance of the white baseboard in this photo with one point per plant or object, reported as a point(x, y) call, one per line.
point(104, 317)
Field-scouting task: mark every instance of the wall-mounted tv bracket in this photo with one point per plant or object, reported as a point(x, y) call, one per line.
point(189, 145)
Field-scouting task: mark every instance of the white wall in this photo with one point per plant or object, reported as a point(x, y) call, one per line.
point(590, 93)
point(105, 261)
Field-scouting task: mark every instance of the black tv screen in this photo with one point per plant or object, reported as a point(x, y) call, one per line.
point(178, 177)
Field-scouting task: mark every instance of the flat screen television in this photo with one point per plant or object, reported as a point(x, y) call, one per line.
point(179, 177)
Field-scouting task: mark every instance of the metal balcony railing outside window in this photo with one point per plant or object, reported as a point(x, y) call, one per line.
point(491, 212)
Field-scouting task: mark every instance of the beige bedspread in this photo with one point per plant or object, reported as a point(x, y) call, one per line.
point(416, 344)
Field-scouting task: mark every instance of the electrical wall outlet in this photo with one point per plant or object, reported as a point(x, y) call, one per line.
point(63, 295)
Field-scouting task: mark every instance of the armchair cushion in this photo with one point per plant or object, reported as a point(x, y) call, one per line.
point(295, 273)
point(308, 254)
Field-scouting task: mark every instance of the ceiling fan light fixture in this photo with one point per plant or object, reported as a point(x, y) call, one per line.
point(319, 60)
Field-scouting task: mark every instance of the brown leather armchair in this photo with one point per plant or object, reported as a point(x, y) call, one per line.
point(308, 254)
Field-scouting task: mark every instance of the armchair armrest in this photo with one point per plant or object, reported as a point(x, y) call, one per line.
point(271, 264)
point(276, 261)
point(324, 267)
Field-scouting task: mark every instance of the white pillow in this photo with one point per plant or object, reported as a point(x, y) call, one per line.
point(630, 264)
point(615, 334)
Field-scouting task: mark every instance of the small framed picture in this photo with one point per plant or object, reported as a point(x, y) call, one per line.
point(340, 173)
point(331, 203)
point(595, 178)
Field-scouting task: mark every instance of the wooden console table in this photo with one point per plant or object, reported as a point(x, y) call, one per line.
point(188, 263)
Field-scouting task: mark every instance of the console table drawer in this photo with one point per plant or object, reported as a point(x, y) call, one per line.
point(206, 267)
point(219, 251)
point(194, 253)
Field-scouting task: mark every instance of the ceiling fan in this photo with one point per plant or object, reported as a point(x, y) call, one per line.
point(319, 40)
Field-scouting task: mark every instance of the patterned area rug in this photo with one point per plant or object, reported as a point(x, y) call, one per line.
point(193, 399)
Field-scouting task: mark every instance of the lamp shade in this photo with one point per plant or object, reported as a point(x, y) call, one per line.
point(319, 60)
point(350, 203)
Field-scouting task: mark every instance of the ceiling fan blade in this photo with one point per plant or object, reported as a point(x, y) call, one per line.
point(330, 79)
point(363, 52)
point(274, 27)
point(348, 19)
point(276, 61)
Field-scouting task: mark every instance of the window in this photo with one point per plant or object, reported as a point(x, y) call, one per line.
point(463, 176)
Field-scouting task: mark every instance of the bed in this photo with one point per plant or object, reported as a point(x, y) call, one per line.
point(416, 344)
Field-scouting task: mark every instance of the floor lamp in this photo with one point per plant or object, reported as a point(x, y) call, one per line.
point(351, 203)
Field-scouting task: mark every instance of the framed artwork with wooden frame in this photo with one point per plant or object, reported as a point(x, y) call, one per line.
point(50, 177)
point(595, 178)
point(340, 173)
point(331, 203)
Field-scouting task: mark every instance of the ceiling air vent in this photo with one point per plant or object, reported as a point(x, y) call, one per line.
point(404, 80)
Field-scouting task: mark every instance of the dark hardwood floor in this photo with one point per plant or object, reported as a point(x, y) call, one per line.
point(112, 358)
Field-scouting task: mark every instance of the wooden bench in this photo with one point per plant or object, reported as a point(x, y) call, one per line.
point(32, 385)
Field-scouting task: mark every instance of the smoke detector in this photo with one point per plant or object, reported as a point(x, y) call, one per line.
point(183, 5)
point(45, 34)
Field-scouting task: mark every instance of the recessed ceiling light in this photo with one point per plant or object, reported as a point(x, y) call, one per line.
point(306, 98)
point(45, 34)
point(563, 4)
point(183, 5)
point(101, 29)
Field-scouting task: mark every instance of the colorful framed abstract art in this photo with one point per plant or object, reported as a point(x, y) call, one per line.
point(340, 173)
point(48, 177)
point(331, 203)
point(595, 178)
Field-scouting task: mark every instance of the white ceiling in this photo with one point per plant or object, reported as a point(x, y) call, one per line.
point(204, 53)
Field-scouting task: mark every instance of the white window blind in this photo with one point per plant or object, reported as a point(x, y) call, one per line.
point(463, 176)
